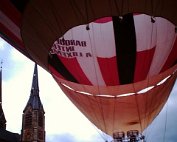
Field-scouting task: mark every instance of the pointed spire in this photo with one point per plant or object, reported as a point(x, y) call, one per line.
point(34, 100)
point(35, 86)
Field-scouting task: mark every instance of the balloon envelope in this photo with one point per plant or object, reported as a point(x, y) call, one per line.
point(115, 60)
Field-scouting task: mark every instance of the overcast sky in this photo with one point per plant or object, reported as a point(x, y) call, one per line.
point(64, 123)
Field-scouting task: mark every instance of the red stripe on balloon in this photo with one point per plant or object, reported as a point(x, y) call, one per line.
point(108, 67)
point(103, 20)
point(143, 63)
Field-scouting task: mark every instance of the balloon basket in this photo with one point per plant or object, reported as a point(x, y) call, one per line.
point(130, 136)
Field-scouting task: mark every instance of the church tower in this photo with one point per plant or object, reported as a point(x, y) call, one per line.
point(33, 123)
point(2, 116)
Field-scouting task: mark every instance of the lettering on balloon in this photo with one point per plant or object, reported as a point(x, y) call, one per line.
point(70, 48)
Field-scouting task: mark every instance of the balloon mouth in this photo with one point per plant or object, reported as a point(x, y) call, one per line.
point(140, 92)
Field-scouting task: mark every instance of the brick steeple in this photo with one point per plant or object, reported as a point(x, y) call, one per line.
point(33, 125)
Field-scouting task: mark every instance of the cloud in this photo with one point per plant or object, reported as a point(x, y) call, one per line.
point(66, 137)
point(163, 128)
point(61, 115)
point(12, 60)
point(2, 42)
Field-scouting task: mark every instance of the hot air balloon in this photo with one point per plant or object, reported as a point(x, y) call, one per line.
point(114, 59)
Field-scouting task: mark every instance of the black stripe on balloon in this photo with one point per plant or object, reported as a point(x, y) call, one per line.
point(125, 41)
point(55, 62)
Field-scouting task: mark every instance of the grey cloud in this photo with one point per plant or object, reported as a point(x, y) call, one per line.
point(8, 62)
point(67, 137)
point(163, 128)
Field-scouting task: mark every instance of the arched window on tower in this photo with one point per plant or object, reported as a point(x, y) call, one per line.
point(41, 119)
point(28, 119)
